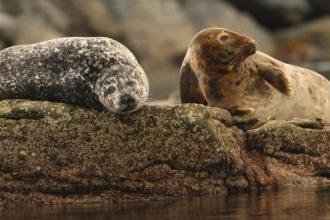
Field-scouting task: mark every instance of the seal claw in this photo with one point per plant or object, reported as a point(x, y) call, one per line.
point(242, 111)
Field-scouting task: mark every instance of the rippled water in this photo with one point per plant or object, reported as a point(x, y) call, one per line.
point(282, 204)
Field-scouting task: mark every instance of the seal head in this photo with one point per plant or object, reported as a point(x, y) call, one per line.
point(120, 93)
point(209, 69)
point(221, 48)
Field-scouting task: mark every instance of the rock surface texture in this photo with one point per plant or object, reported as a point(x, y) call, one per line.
point(57, 153)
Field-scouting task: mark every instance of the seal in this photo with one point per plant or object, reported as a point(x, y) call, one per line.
point(223, 69)
point(95, 72)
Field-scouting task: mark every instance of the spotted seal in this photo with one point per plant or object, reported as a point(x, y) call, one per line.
point(95, 72)
point(223, 69)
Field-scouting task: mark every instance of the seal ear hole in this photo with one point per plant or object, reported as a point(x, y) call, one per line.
point(114, 72)
point(130, 83)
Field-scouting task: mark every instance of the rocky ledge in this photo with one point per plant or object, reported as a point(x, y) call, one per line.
point(55, 153)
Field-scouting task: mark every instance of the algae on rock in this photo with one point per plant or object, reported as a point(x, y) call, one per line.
point(59, 149)
point(52, 152)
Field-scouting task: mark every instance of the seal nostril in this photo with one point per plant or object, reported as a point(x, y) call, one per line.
point(127, 100)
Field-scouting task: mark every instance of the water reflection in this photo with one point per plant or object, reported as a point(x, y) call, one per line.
point(283, 204)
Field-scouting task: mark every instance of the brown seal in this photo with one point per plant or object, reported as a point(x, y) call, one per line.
point(223, 69)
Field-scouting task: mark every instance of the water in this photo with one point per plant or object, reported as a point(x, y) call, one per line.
point(306, 203)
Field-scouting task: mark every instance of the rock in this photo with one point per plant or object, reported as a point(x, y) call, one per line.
point(307, 42)
point(57, 153)
point(210, 13)
point(320, 6)
point(89, 18)
point(158, 37)
point(30, 23)
point(276, 13)
point(167, 151)
point(38, 20)
point(291, 154)
point(158, 33)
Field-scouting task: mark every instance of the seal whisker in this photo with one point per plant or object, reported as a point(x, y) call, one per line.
point(230, 57)
point(104, 112)
point(235, 60)
point(151, 99)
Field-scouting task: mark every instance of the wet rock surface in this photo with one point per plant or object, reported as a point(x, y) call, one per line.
point(55, 153)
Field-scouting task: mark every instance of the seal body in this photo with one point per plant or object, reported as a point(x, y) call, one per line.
point(92, 72)
point(223, 69)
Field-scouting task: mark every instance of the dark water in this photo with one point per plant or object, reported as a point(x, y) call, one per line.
point(290, 204)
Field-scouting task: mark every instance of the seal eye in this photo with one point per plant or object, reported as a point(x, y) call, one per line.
point(223, 38)
point(109, 91)
point(114, 72)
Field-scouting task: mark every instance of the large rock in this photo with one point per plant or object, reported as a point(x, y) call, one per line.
point(23, 22)
point(88, 18)
point(33, 21)
point(307, 42)
point(289, 153)
point(276, 13)
point(320, 6)
point(56, 149)
point(157, 29)
point(59, 153)
point(158, 32)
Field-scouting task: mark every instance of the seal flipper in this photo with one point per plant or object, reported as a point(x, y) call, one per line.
point(276, 77)
point(241, 111)
point(189, 88)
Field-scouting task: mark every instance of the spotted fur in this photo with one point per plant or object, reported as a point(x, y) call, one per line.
point(93, 72)
point(223, 69)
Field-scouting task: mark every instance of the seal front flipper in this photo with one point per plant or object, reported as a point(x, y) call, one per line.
point(276, 77)
point(189, 88)
point(241, 111)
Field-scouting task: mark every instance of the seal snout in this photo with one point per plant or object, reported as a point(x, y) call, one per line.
point(128, 103)
point(252, 46)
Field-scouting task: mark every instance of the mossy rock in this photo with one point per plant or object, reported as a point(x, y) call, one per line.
point(53, 152)
point(58, 149)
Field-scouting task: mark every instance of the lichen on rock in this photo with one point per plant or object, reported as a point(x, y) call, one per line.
point(70, 150)
point(53, 152)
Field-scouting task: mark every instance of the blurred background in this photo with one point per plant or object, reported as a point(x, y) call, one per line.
point(158, 32)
